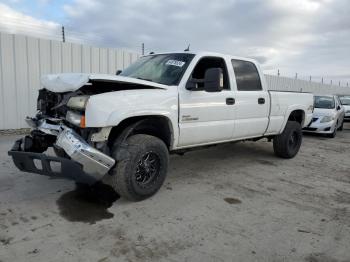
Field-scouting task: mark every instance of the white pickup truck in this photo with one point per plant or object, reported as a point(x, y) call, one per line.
point(120, 129)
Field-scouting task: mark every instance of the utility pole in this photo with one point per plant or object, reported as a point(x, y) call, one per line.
point(63, 35)
point(143, 48)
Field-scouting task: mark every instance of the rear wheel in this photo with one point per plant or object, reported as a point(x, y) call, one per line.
point(287, 144)
point(142, 163)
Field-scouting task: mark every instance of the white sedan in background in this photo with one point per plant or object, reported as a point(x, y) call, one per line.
point(328, 115)
point(345, 101)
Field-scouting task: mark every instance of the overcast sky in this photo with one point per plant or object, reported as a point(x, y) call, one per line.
point(311, 37)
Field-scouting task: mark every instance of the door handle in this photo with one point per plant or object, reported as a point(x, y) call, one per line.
point(261, 100)
point(230, 101)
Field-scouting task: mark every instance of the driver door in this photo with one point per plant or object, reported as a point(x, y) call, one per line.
point(206, 117)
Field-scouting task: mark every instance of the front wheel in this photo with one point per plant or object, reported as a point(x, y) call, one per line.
point(287, 144)
point(142, 164)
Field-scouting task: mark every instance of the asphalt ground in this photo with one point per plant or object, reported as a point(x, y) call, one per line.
point(233, 202)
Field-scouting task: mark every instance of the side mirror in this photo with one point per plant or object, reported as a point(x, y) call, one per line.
point(212, 79)
point(338, 108)
point(118, 72)
point(191, 84)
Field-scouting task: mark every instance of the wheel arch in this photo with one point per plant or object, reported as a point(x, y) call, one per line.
point(297, 115)
point(155, 125)
point(294, 114)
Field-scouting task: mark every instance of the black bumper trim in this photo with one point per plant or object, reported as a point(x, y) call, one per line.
point(70, 169)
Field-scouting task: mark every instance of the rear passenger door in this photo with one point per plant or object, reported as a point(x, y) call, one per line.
point(252, 102)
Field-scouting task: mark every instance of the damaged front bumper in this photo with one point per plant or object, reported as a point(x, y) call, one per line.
point(86, 164)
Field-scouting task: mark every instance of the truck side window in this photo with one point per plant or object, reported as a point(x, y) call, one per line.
point(206, 63)
point(247, 76)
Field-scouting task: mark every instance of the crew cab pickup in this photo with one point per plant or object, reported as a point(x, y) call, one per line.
point(120, 129)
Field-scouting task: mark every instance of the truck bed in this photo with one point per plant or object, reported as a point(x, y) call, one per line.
point(284, 101)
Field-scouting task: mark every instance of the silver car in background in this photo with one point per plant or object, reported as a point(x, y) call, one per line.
point(328, 115)
point(345, 101)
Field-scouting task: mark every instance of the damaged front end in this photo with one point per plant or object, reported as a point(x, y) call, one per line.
point(82, 149)
point(82, 162)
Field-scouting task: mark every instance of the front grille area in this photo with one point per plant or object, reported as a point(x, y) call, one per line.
point(49, 103)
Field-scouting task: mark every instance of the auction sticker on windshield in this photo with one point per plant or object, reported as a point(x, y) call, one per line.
point(175, 63)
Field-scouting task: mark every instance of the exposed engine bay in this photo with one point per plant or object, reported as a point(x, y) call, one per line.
point(60, 124)
point(69, 107)
point(56, 105)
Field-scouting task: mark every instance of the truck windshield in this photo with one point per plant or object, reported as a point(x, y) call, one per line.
point(345, 100)
point(164, 69)
point(326, 102)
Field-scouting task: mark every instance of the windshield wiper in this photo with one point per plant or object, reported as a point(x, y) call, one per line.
point(141, 78)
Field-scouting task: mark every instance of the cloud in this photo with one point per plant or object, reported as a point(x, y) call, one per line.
point(311, 37)
point(14, 22)
point(292, 35)
point(80, 7)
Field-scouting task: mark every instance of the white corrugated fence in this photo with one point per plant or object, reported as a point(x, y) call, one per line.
point(24, 59)
point(296, 85)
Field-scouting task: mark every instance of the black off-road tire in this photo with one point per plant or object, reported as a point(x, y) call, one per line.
point(287, 144)
point(131, 157)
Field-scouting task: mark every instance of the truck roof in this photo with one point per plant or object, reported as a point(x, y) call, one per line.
point(207, 53)
point(325, 95)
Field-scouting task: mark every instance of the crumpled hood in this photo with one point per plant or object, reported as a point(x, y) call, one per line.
point(108, 109)
point(70, 82)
